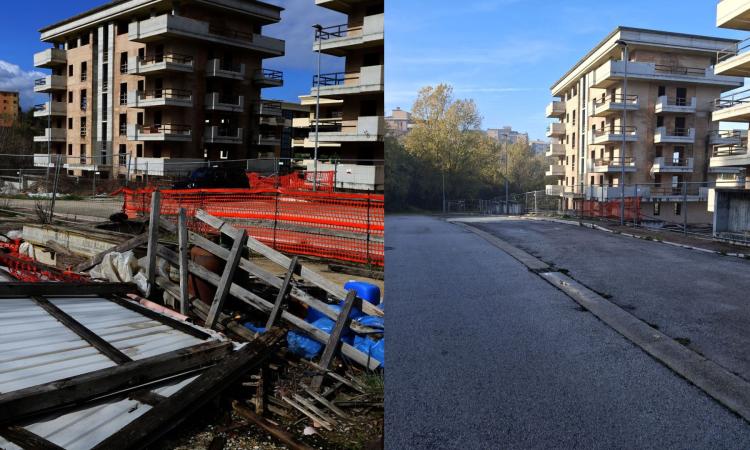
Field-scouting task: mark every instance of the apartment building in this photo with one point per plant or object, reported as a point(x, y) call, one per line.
point(731, 198)
point(507, 135)
point(399, 122)
point(660, 131)
point(9, 108)
point(155, 86)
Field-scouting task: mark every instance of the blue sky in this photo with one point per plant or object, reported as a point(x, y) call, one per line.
point(19, 40)
point(505, 54)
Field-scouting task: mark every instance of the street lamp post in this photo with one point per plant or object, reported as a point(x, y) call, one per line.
point(623, 131)
point(319, 37)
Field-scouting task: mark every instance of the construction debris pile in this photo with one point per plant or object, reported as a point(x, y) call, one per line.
point(124, 347)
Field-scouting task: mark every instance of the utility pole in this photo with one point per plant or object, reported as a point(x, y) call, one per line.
point(623, 131)
point(507, 183)
point(319, 36)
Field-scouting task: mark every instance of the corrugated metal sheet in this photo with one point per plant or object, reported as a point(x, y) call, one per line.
point(35, 349)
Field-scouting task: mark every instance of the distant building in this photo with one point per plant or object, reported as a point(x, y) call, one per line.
point(399, 122)
point(506, 135)
point(8, 109)
point(539, 147)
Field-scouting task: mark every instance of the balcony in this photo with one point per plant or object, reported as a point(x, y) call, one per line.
point(51, 57)
point(664, 135)
point(613, 72)
point(267, 108)
point(555, 190)
point(268, 78)
point(171, 26)
point(168, 62)
point(364, 129)
point(52, 135)
point(556, 130)
point(614, 104)
point(614, 135)
point(268, 140)
point(734, 14)
point(734, 60)
point(337, 40)
point(555, 170)
point(677, 193)
point(672, 165)
point(222, 135)
point(56, 109)
point(555, 110)
point(556, 150)
point(273, 121)
point(368, 80)
point(219, 69)
point(608, 193)
point(730, 156)
point(675, 105)
point(160, 133)
point(612, 165)
point(733, 107)
point(218, 102)
point(731, 180)
point(160, 98)
point(50, 83)
point(726, 137)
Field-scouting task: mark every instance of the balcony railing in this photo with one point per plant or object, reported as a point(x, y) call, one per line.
point(679, 70)
point(733, 50)
point(616, 98)
point(329, 79)
point(84, 131)
point(168, 58)
point(271, 74)
point(731, 100)
point(614, 162)
point(166, 93)
point(730, 150)
point(679, 132)
point(123, 98)
point(167, 128)
point(628, 131)
point(335, 31)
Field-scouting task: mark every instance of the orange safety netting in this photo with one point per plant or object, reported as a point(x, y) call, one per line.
point(345, 227)
point(297, 180)
point(611, 209)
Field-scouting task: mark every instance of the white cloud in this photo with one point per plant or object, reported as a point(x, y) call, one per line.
point(296, 28)
point(13, 78)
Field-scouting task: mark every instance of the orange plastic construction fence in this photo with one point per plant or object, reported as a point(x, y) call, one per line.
point(611, 209)
point(337, 226)
point(297, 180)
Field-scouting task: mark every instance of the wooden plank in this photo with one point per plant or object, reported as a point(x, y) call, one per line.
point(153, 241)
point(20, 289)
point(282, 260)
point(147, 397)
point(265, 306)
point(307, 404)
point(162, 318)
point(42, 399)
point(176, 408)
point(27, 440)
point(235, 327)
point(275, 431)
point(227, 279)
point(283, 293)
point(107, 349)
point(57, 248)
point(314, 417)
point(182, 237)
point(334, 341)
point(130, 244)
point(324, 401)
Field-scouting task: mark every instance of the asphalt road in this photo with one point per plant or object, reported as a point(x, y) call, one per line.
point(485, 354)
point(700, 298)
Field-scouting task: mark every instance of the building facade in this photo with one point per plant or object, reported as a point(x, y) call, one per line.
point(9, 109)
point(144, 86)
point(731, 198)
point(659, 132)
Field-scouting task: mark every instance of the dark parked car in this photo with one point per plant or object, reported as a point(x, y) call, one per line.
point(214, 177)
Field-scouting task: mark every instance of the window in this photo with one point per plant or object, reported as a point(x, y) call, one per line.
point(123, 94)
point(677, 209)
point(84, 71)
point(85, 39)
point(84, 100)
point(84, 130)
point(70, 123)
point(156, 151)
point(574, 140)
point(123, 124)
point(139, 119)
point(657, 208)
point(124, 62)
point(70, 96)
point(662, 91)
point(70, 149)
point(659, 121)
point(139, 150)
point(70, 70)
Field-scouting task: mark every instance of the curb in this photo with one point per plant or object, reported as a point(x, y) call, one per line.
point(723, 386)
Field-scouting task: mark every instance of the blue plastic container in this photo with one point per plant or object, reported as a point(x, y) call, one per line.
point(366, 291)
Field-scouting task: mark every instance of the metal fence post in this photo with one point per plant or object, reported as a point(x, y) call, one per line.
point(684, 207)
